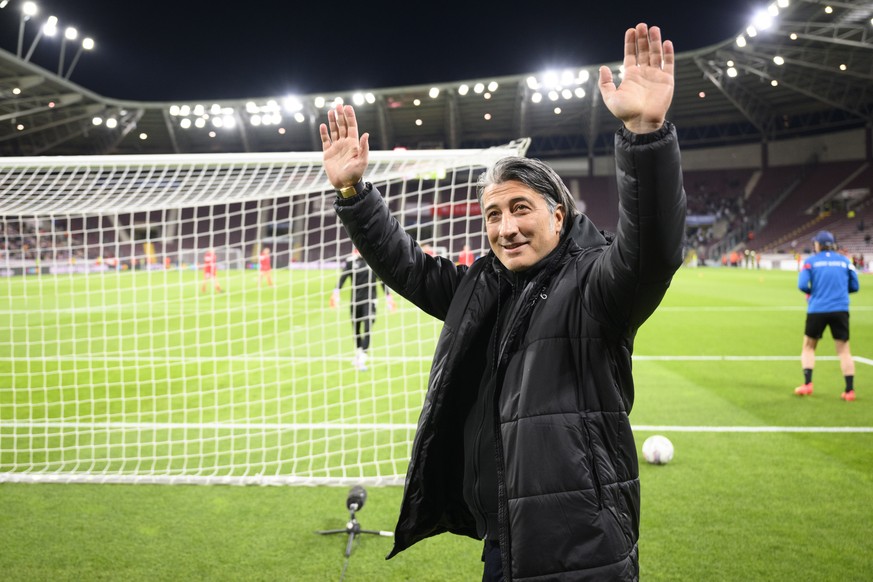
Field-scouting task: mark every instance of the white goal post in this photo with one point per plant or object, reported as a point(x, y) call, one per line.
point(126, 357)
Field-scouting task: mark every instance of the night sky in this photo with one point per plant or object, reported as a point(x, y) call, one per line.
point(190, 50)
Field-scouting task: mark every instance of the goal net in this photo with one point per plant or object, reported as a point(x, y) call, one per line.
point(145, 340)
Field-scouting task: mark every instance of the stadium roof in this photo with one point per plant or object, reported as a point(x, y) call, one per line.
point(810, 70)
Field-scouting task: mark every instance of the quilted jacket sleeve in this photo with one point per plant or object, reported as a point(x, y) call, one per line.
point(632, 275)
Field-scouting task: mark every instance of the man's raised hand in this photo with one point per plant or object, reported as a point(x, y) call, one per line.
point(345, 155)
point(642, 99)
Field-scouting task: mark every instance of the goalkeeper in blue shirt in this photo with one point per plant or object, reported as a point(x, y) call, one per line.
point(827, 278)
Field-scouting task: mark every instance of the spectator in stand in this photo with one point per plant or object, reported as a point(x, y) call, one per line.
point(210, 271)
point(827, 278)
point(265, 268)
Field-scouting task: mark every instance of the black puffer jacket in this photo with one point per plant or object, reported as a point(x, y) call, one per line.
point(568, 484)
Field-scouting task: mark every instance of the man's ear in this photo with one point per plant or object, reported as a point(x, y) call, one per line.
point(559, 218)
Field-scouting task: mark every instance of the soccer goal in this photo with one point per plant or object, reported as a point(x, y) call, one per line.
point(147, 339)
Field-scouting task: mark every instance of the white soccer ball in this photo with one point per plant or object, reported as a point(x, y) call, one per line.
point(658, 450)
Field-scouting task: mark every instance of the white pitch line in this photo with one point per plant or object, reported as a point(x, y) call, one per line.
point(138, 357)
point(747, 429)
point(289, 427)
point(749, 308)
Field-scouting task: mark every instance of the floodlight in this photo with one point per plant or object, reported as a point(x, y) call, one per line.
point(492, 86)
point(532, 83)
point(536, 97)
point(478, 88)
point(463, 90)
point(71, 33)
point(88, 43)
point(358, 98)
point(778, 60)
point(111, 123)
point(292, 104)
point(50, 28)
point(550, 79)
point(763, 20)
point(741, 41)
point(30, 9)
point(434, 92)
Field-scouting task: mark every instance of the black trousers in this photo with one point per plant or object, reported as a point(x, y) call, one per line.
point(493, 571)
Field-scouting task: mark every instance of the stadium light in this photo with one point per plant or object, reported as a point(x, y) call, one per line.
point(69, 34)
point(87, 45)
point(763, 20)
point(28, 11)
point(49, 28)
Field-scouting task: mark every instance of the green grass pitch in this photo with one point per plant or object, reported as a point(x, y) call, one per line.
point(764, 485)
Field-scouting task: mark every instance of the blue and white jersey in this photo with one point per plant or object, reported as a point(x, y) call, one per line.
point(828, 277)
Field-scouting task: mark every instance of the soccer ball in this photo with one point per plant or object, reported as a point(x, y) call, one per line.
point(658, 450)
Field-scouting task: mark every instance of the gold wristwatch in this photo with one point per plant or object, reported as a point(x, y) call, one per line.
point(349, 191)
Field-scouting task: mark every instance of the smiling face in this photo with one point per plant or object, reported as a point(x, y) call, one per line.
point(521, 228)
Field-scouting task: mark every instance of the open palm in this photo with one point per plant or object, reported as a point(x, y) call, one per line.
point(642, 99)
point(345, 155)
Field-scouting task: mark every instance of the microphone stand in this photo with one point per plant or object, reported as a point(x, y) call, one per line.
point(352, 529)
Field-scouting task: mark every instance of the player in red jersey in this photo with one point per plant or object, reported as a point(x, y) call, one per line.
point(466, 257)
point(265, 268)
point(210, 271)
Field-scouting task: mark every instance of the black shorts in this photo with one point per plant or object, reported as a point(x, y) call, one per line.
point(838, 321)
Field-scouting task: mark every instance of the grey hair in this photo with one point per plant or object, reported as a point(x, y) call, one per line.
point(537, 176)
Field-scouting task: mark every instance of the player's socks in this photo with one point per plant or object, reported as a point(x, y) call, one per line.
point(807, 375)
point(850, 383)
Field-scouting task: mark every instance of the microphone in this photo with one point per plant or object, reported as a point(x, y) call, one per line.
point(356, 499)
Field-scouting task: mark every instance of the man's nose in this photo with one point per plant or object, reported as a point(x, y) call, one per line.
point(508, 226)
